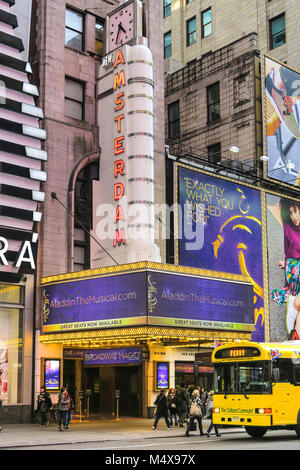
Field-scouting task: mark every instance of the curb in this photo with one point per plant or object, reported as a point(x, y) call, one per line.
point(42, 444)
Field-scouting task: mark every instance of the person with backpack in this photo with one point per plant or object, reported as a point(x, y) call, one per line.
point(195, 413)
point(182, 402)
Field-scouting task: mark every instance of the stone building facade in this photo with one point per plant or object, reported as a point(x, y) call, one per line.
point(226, 22)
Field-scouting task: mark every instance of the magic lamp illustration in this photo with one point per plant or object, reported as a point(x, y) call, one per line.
point(236, 224)
point(152, 292)
point(45, 306)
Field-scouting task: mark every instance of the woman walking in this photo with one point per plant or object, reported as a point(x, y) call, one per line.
point(210, 406)
point(63, 405)
point(195, 413)
point(172, 406)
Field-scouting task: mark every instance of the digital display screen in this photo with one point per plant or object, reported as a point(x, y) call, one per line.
point(162, 375)
point(52, 374)
point(237, 353)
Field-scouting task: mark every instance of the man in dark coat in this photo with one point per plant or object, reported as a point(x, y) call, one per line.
point(182, 400)
point(162, 410)
point(44, 404)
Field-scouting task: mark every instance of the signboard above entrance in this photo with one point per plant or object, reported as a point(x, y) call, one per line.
point(98, 357)
point(154, 295)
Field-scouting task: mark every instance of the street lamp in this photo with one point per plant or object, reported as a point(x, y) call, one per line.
point(290, 165)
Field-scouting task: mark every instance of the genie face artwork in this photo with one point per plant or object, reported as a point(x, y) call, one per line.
point(230, 214)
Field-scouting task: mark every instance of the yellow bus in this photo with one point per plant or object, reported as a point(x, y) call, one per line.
point(257, 385)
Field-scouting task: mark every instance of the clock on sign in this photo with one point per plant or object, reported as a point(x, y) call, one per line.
point(121, 26)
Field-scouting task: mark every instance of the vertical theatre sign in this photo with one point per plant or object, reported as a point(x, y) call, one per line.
point(119, 148)
point(124, 204)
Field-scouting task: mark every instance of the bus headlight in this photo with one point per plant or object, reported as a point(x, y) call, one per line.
point(263, 411)
point(216, 410)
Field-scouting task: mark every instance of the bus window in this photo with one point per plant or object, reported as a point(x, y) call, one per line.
point(248, 377)
point(285, 369)
point(297, 375)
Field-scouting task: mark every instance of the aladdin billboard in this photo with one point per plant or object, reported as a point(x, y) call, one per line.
point(220, 227)
point(179, 298)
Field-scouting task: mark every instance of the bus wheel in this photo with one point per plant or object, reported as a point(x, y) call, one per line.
point(255, 431)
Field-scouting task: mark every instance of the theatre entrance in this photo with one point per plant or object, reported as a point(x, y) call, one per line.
point(100, 384)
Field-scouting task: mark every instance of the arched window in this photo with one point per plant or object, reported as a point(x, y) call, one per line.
point(83, 211)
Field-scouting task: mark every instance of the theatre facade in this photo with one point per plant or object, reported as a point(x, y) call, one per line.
point(124, 332)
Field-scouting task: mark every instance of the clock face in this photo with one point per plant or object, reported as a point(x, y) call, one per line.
point(121, 26)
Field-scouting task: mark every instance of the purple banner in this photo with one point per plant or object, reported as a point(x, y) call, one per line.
point(189, 301)
point(228, 218)
point(103, 302)
point(98, 357)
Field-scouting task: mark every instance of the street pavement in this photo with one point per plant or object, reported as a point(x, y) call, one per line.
point(87, 431)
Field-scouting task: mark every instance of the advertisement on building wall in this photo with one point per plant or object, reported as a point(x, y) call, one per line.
point(283, 227)
point(52, 374)
point(199, 302)
point(220, 228)
point(3, 374)
point(281, 90)
point(102, 302)
point(190, 298)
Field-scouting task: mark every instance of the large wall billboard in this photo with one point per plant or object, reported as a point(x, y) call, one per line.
point(283, 227)
point(220, 228)
point(281, 121)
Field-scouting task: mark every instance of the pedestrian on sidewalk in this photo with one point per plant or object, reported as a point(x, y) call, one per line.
point(210, 406)
point(195, 413)
point(162, 410)
point(70, 410)
point(44, 405)
point(182, 401)
point(172, 406)
point(63, 405)
point(204, 398)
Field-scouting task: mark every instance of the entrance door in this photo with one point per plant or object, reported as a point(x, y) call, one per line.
point(127, 381)
point(91, 388)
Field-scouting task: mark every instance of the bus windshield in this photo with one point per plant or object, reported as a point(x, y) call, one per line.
point(242, 377)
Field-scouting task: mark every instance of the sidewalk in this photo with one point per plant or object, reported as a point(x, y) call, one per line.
point(25, 435)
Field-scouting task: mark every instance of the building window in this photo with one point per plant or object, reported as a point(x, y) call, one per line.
point(74, 99)
point(277, 31)
point(206, 23)
point(213, 102)
point(74, 30)
point(83, 208)
point(174, 120)
point(214, 153)
point(11, 343)
point(167, 8)
point(191, 31)
point(167, 45)
point(99, 31)
point(189, 1)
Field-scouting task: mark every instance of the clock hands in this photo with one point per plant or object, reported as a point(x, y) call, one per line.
point(120, 28)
